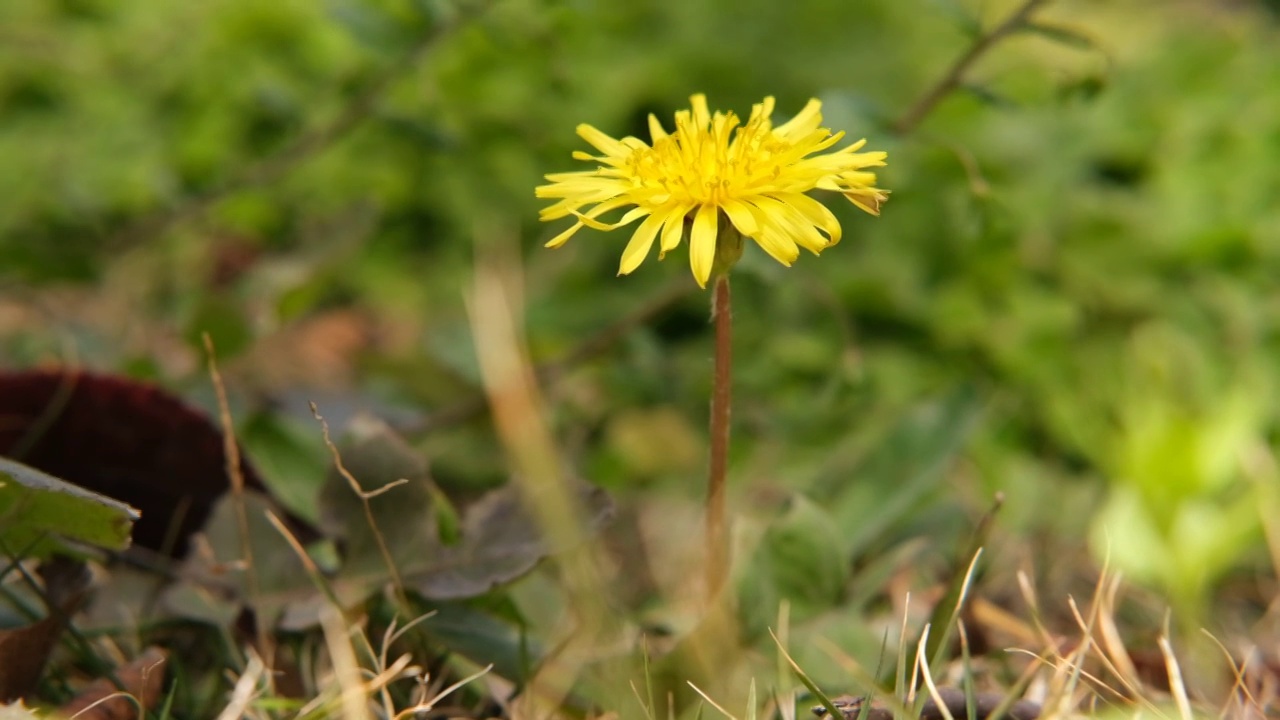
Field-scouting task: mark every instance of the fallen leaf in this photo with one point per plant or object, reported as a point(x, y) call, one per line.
point(496, 542)
point(142, 680)
point(500, 542)
point(23, 653)
point(123, 439)
point(25, 650)
point(381, 462)
point(219, 578)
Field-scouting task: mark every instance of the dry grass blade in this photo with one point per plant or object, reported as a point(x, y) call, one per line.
point(428, 705)
point(1240, 687)
point(927, 675)
point(246, 689)
point(1033, 606)
point(1111, 640)
point(1075, 660)
point(399, 666)
point(1177, 687)
point(235, 474)
point(313, 572)
point(345, 667)
point(494, 307)
point(715, 704)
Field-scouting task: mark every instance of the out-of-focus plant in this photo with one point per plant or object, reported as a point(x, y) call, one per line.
point(246, 168)
point(1181, 510)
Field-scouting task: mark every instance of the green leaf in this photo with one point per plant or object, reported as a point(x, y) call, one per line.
point(483, 639)
point(39, 514)
point(799, 558)
point(447, 521)
point(500, 542)
point(279, 578)
point(290, 456)
point(905, 466)
point(383, 463)
point(438, 552)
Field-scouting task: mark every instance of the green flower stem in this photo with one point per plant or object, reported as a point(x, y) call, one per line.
point(716, 522)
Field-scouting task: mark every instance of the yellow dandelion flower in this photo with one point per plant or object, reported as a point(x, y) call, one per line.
point(713, 168)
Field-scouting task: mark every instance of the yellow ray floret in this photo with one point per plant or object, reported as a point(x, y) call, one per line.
point(755, 175)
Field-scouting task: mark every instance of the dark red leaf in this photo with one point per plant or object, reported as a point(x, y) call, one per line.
point(124, 439)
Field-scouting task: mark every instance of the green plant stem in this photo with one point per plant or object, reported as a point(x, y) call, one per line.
point(717, 529)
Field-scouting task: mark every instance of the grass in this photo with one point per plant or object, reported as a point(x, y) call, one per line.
point(599, 659)
point(1067, 305)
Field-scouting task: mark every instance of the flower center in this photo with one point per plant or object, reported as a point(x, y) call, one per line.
point(706, 165)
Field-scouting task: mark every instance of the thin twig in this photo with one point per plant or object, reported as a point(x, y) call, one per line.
point(235, 475)
point(365, 497)
point(916, 114)
point(310, 143)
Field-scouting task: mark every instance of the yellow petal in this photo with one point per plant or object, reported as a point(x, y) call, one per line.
point(656, 132)
point(602, 142)
point(701, 116)
point(791, 223)
point(673, 231)
point(779, 246)
point(641, 242)
point(589, 220)
point(560, 239)
point(805, 121)
point(600, 209)
point(816, 213)
point(763, 110)
point(742, 217)
point(702, 243)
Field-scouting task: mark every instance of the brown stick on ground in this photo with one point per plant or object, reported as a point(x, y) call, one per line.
point(953, 699)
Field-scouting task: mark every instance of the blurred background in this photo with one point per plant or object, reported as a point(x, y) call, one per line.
point(1070, 298)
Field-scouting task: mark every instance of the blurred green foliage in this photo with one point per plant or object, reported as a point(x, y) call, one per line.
point(1085, 236)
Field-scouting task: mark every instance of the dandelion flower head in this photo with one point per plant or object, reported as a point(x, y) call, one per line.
point(714, 173)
